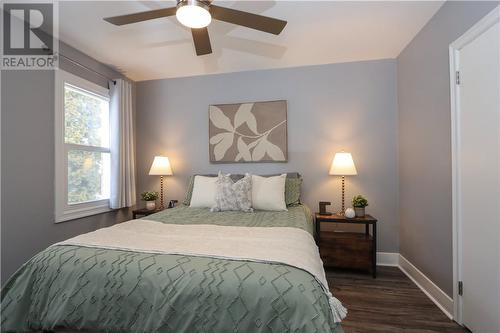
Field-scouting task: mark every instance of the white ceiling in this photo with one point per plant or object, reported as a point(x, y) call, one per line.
point(318, 32)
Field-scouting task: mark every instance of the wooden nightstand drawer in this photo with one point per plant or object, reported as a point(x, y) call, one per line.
point(346, 250)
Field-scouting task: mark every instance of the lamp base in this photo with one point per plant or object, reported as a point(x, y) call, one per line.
point(162, 207)
point(343, 197)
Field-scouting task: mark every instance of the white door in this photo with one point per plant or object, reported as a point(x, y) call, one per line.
point(478, 143)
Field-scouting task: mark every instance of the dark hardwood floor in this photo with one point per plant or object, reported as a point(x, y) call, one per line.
point(389, 303)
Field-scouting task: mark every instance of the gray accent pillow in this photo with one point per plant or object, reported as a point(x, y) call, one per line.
point(293, 185)
point(292, 191)
point(230, 195)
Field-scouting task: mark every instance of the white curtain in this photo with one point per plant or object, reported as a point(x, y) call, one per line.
point(122, 145)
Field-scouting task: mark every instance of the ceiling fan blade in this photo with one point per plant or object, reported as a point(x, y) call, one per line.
point(249, 20)
point(142, 16)
point(201, 41)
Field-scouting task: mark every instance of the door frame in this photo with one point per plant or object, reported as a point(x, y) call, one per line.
point(454, 50)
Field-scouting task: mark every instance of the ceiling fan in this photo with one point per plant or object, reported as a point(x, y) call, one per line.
point(197, 15)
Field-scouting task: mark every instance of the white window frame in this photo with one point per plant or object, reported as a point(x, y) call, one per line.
point(64, 211)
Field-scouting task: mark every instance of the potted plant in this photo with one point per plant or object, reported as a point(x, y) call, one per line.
point(359, 203)
point(150, 198)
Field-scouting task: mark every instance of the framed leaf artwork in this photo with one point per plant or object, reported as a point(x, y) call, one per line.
point(248, 132)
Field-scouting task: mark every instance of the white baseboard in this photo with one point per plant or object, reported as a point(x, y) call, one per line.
point(439, 297)
point(387, 259)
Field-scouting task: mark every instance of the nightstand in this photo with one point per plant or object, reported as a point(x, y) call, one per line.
point(354, 250)
point(144, 212)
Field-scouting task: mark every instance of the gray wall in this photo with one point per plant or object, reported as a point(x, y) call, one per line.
point(349, 106)
point(425, 141)
point(27, 164)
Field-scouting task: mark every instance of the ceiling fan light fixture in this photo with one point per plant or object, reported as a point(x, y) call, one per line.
point(193, 14)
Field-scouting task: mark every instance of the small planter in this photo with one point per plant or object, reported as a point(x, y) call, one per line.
point(359, 203)
point(150, 205)
point(360, 211)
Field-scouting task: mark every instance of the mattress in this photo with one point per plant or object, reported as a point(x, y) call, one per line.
point(133, 279)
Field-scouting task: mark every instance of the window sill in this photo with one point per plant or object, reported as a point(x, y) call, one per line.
point(83, 210)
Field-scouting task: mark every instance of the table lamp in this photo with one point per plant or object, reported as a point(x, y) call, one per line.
point(161, 167)
point(343, 165)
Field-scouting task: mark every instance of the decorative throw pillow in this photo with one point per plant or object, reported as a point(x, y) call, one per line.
point(230, 195)
point(203, 192)
point(292, 191)
point(189, 191)
point(268, 193)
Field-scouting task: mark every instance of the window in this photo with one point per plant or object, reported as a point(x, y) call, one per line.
point(83, 156)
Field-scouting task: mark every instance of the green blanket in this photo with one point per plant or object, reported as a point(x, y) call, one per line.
point(297, 217)
point(96, 289)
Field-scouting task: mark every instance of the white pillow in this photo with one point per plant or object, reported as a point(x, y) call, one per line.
point(204, 189)
point(268, 193)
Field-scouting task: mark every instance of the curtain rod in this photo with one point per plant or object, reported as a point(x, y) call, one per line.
point(86, 68)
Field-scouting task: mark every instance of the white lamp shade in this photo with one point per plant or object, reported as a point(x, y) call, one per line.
point(343, 165)
point(161, 167)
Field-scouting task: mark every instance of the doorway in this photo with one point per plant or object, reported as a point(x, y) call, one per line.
point(475, 113)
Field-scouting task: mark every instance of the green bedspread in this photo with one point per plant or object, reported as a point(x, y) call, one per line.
point(95, 289)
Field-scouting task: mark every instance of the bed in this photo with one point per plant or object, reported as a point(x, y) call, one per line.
point(180, 270)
